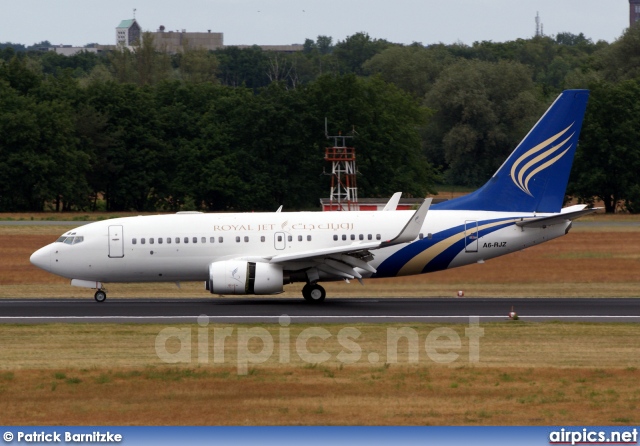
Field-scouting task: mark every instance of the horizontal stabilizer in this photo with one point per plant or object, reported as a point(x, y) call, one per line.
point(541, 222)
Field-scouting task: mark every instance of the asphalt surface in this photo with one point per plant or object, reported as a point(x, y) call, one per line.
point(333, 310)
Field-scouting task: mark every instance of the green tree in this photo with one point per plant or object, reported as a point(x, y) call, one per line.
point(413, 68)
point(482, 110)
point(355, 50)
point(40, 161)
point(607, 162)
point(387, 122)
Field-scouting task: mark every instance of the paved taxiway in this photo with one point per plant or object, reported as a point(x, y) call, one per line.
point(334, 310)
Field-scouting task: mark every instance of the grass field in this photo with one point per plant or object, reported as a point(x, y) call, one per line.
point(552, 373)
point(527, 373)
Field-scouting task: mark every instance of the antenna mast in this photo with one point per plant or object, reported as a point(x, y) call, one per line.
point(538, 25)
point(344, 192)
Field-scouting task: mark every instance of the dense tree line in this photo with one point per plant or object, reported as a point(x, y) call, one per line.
point(243, 129)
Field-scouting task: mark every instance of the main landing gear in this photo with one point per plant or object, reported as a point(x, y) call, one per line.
point(314, 293)
point(100, 296)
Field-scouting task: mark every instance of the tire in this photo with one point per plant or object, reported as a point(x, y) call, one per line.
point(315, 294)
point(306, 290)
point(100, 296)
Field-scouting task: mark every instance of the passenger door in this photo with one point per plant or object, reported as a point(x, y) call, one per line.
point(116, 242)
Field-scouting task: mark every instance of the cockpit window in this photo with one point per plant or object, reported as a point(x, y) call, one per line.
point(71, 240)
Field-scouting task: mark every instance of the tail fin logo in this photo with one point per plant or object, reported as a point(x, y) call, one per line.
point(539, 158)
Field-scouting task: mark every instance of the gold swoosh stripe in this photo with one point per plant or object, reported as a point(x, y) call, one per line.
point(537, 159)
point(532, 151)
point(418, 262)
point(544, 166)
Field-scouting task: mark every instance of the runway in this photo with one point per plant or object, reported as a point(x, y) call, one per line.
point(333, 310)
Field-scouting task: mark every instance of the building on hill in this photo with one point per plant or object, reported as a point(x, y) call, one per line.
point(634, 11)
point(128, 33)
point(174, 41)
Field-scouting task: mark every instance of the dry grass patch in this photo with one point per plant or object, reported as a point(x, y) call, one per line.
point(354, 395)
point(95, 374)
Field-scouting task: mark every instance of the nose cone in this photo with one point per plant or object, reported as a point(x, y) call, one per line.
point(42, 258)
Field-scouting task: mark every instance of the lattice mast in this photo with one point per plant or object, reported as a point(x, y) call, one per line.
point(344, 192)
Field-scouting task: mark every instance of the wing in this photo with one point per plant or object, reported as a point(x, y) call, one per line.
point(342, 260)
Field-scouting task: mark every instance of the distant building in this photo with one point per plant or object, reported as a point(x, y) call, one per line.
point(128, 33)
point(174, 41)
point(68, 50)
point(634, 11)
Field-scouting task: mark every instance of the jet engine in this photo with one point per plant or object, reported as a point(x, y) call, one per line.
point(242, 277)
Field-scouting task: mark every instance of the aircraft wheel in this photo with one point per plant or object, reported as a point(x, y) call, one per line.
point(314, 293)
point(100, 296)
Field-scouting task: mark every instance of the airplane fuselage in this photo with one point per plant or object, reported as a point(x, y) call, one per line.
point(180, 247)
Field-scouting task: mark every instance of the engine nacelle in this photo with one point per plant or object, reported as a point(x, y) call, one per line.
point(242, 277)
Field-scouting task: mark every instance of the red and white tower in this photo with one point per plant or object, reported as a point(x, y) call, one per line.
point(344, 192)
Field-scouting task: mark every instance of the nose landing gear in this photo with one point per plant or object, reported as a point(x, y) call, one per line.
point(100, 296)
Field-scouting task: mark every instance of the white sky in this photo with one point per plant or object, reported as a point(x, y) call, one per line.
point(278, 22)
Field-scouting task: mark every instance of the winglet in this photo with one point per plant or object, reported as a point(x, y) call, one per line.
point(279, 209)
point(392, 204)
point(413, 226)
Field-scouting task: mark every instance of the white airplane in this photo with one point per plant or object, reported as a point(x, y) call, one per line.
point(257, 253)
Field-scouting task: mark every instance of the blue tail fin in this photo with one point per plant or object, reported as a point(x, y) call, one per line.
point(534, 177)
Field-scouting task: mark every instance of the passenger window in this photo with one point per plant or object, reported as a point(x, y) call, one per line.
point(353, 236)
point(335, 237)
point(299, 238)
point(143, 241)
point(420, 236)
point(177, 240)
point(378, 237)
point(308, 238)
point(168, 240)
point(279, 238)
point(212, 239)
point(134, 241)
point(369, 237)
point(429, 236)
point(246, 239)
point(289, 237)
point(195, 240)
point(186, 239)
point(262, 239)
point(160, 240)
point(344, 236)
point(151, 241)
point(361, 237)
point(220, 239)
point(203, 240)
point(238, 239)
